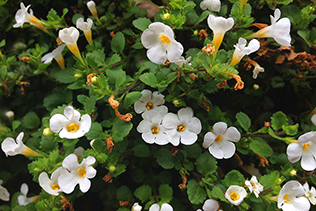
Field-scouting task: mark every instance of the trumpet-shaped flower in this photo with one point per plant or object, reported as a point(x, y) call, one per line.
point(210, 205)
point(182, 127)
point(4, 194)
point(254, 186)
point(160, 42)
point(164, 207)
point(212, 5)
point(235, 194)
point(219, 26)
point(150, 102)
point(305, 148)
point(241, 50)
point(152, 129)
point(57, 55)
point(51, 185)
point(70, 125)
point(78, 174)
point(291, 197)
point(136, 207)
point(23, 16)
point(23, 199)
point(310, 193)
point(278, 30)
point(219, 142)
point(86, 28)
point(11, 147)
point(92, 8)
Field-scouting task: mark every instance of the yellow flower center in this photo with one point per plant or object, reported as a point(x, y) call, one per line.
point(285, 199)
point(305, 146)
point(155, 130)
point(218, 138)
point(164, 39)
point(234, 196)
point(149, 106)
point(180, 128)
point(55, 186)
point(72, 128)
point(82, 172)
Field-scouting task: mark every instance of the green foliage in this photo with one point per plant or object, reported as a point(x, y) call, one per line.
point(196, 192)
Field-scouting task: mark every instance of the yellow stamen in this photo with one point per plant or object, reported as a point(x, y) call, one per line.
point(180, 128)
point(164, 39)
point(285, 199)
point(155, 130)
point(72, 128)
point(305, 146)
point(234, 196)
point(218, 138)
point(149, 106)
point(82, 172)
point(55, 186)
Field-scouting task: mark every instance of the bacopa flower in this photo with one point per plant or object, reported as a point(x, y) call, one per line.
point(313, 119)
point(182, 127)
point(219, 142)
point(86, 28)
point(183, 61)
point(160, 42)
point(92, 8)
point(57, 55)
point(78, 174)
point(151, 128)
point(241, 50)
point(254, 186)
point(291, 197)
point(235, 194)
point(212, 5)
point(136, 207)
point(219, 26)
point(310, 193)
point(4, 194)
point(150, 102)
point(70, 125)
point(23, 199)
point(11, 147)
point(164, 207)
point(51, 185)
point(279, 30)
point(210, 205)
point(305, 148)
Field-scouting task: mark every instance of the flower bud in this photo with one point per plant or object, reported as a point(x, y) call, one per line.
point(112, 168)
point(10, 115)
point(47, 132)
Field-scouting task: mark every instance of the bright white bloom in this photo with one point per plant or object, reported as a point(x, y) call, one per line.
point(86, 28)
point(291, 197)
point(151, 128)
point(11, 147)
point(69, 125)
point(258, 69)
point(305, 148)
point(235, 194)
point(182, 127)
point(51, 185)
point(23, 199)
point(70, 36)
point(254, 186)
point(164, 207)
point(241, 50)
point(220, 142)
point(78, 174)
point(57, 55)
point(310, 193)
point(161, 45)
point(136, 207)
point(183, 61)
point(278, 30)
point(212, 5)
point(210, 205)
point(314, 119)
point(4, 194)
point(91, 6)
point(219, 26)
point(150, 102)
point(10, 115)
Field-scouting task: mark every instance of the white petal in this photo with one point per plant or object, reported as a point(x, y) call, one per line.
point(144, 126)
point(209, 139)
point(228, 148)
point(157, 54)
point(308, 162)
point(24, 189)
point(173, 137)
point(8, 146)
point(149, 137)
point(188, 138)
point(161, 139)
point(232, 134)
point(47, 58)
point(85, 123)
point(314, 119)
point(185, 114)
point(294, 152)
point(149, 38)
point(139, 107)
point(46, 183)
point(154, 207)
point(84, 185)
point(306, 137)
point(216, 151)
point(157, 27)
point(166, 207)
point(301, 204)
point(157, 98)
point(88, 161)
point(291, 187)
point(210, 205)
point(170, 121)
point(4, 194)
point(194, 125)
point(57, 122)
point(71, 162)
point(220, 128)
point(72, 114)
point(174, 51)
point(67, 182)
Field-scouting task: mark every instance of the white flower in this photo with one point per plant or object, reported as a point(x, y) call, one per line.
point(70, 36)
point(310, 193)
point(278, 30)
point(23, 199)
point(182, 127)
point(91, 6)
point(68, 125)
point(57, 55)
point(291, 197)
point(164, 207)
point(78, 174)
point(241, 50)
point(151, 128)
point(212, 5)
point(219, 26)
point(51, 185)
point(160, 42)
point(136, 207)
point(235, 194)
point(305, 148)
point(210, 205)
point(4, 194)
point(258, 69)
point(219, 142)
point(86, 28)
point(150, 102)
point(254, 186)
point(11, 147)
point(313, 119)
point(183, 61)
point(10, 115)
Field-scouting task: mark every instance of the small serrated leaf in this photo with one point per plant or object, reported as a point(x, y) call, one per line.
point(195, 192)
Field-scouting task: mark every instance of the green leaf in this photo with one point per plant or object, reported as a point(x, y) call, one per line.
point(149, 79)
point(193, 151)
point(165, 158)
point(243, 120)
point(278, 120)
point(120, 129)
point(143, 193)
point(87, 102)
point(15, 124)
point(233, 177)
point(291, 129)
point(119, 169)
point(131, 98)
point(123, 193)
point(2, 43)
point(52, 15)
point(195, 192)
point(141, 150)
point(141, 23)
point(305, 35)
point(31, 120)
point(76, 17)
point(259, 146)
point(206, 163)
point(165, 193)
point(118, 42)
point(204, 15)
point(63, 76)
point(48, 144)
point(96, 58)
point(95, 131)
point(218, 193)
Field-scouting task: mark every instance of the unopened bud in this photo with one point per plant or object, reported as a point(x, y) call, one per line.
point(293, 172)
point(136, 207)
point(112, 168)
point(91, 143)
point(94, 79)
point(256, 86)
point(176, 102)
point(166, 16)
point(10, 115)
point(47, 132)
point(196, 32)
point(78, 75)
